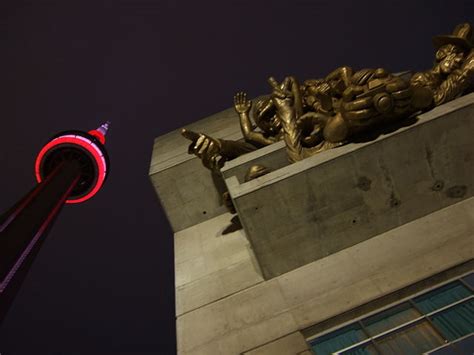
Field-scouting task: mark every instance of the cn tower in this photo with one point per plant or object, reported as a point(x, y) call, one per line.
point(70, 168)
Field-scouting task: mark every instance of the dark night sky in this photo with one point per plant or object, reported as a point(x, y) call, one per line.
point(103, 281)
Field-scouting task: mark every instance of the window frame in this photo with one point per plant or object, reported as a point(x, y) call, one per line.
point(371, 340)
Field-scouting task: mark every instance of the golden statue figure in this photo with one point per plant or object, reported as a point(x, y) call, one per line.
point(344, 104)
point(452, 74)
point(267, 130)
point(371, 97)
point(215, 152)
point(265, 119)
point(324, 113)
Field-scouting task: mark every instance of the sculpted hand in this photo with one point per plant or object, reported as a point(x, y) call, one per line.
point(206, 148)
point(282, 98)
point(401, 95)
point(357, 110)
point(241, 104)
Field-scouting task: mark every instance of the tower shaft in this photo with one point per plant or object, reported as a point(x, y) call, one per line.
point(25, 226)
point(70, 168)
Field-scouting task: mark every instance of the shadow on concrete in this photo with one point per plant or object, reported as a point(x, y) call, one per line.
point(234, 226)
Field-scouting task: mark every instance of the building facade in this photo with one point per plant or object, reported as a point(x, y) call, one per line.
point(363, 249)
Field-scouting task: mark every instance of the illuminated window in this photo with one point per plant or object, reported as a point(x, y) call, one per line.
point(437, 322)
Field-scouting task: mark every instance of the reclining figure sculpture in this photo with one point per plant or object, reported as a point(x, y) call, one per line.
point(325, 113)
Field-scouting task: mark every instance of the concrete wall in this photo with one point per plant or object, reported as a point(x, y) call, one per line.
point(266, 318)
point(341, 197)
point(188, 192)
point(210, 265)
point(332, 232)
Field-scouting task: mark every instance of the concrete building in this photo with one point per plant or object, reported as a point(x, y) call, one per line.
point(363, 249)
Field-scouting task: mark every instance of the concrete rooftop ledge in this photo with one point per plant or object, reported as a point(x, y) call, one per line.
point(333, 200)
point(239, 188)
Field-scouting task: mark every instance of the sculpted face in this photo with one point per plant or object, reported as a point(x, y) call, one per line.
point(266, 118)
point(449, 57)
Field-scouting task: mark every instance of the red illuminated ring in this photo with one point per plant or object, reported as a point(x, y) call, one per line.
point(84, 143)
point(98, 135)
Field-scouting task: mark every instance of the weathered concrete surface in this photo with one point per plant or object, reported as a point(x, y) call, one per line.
point(187, 190)
point(341, 197)
point(275, 309)
point(210, 266)
point(189, 194)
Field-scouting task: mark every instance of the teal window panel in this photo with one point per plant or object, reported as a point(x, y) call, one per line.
point(442, 297)
point(457, 321)
point(338, 340)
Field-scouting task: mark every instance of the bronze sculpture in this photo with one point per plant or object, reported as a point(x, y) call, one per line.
point(453, 72)
point(324, 113)
point(214, 152)
point(373, 97)
point(358, 102)
point(267, 130)
point(265, 119)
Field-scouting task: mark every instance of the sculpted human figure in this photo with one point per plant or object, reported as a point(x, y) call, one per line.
point(265, 119)
point(452, 74)
point(312, 101)
point(315, 104)
point(325, 113)
point(267, 130)
point(351, 105)
point(374, 97)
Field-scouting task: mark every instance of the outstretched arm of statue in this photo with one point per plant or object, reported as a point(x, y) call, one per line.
point(206, 148)
point(242, 107)
point(457, 82)
point(214, 152)
point(283, 99)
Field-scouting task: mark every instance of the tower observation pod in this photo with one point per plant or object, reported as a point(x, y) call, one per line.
point(70, 168)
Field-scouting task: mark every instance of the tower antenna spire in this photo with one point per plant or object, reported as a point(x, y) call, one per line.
point(104, 128)
point(101, 132)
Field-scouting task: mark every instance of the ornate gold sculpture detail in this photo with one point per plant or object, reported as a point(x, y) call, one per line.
point(325, 113)
point(453, 71)
point(345, 104)
point(267, 130)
